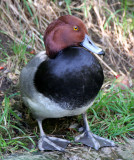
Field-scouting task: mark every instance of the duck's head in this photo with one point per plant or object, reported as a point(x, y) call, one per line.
point(68, 31)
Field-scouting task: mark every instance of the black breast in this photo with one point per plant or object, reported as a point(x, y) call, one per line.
point(72, 79)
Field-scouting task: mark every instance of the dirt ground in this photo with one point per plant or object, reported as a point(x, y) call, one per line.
point(122, 152)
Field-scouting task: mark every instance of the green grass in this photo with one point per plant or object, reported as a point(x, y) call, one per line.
point(13, 136)
point(20, 51)
point(112, 114)
point(9, 128)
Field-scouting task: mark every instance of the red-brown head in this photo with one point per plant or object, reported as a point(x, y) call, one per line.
point(64, 32)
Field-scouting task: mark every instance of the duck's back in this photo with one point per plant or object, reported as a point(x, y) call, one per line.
point(72, 79)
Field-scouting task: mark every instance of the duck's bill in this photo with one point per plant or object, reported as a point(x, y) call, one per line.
point(88, 44)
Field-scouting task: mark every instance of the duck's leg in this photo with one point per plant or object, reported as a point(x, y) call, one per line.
point(92, 140)
point(50, 143)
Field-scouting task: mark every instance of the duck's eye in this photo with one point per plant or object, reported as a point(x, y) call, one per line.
point(75, 28)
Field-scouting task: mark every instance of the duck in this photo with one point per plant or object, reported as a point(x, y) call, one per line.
point(64, 81)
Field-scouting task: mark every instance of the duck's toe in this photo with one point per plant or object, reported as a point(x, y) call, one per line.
point(93, 140)
point(52, 143)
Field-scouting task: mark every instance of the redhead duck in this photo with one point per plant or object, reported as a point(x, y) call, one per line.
point(64, 80)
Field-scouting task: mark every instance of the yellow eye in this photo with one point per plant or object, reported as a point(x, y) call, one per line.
point(75, 28)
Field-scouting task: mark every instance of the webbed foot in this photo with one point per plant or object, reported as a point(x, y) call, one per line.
point(52, 143)
point(93, 140)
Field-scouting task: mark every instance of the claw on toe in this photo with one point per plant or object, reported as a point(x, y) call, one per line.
point(93, 140)
point(52, 143)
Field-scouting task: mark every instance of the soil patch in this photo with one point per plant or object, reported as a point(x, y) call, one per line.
point(122, 152)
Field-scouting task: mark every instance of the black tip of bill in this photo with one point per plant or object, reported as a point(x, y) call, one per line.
point(102, 53)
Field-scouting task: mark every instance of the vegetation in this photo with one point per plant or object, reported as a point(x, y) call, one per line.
point(111, 25)
point(112, 114)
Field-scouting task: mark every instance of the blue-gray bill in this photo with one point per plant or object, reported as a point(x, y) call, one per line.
point(89, 45)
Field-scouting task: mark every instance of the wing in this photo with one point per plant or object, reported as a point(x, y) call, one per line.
point(27, 75)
